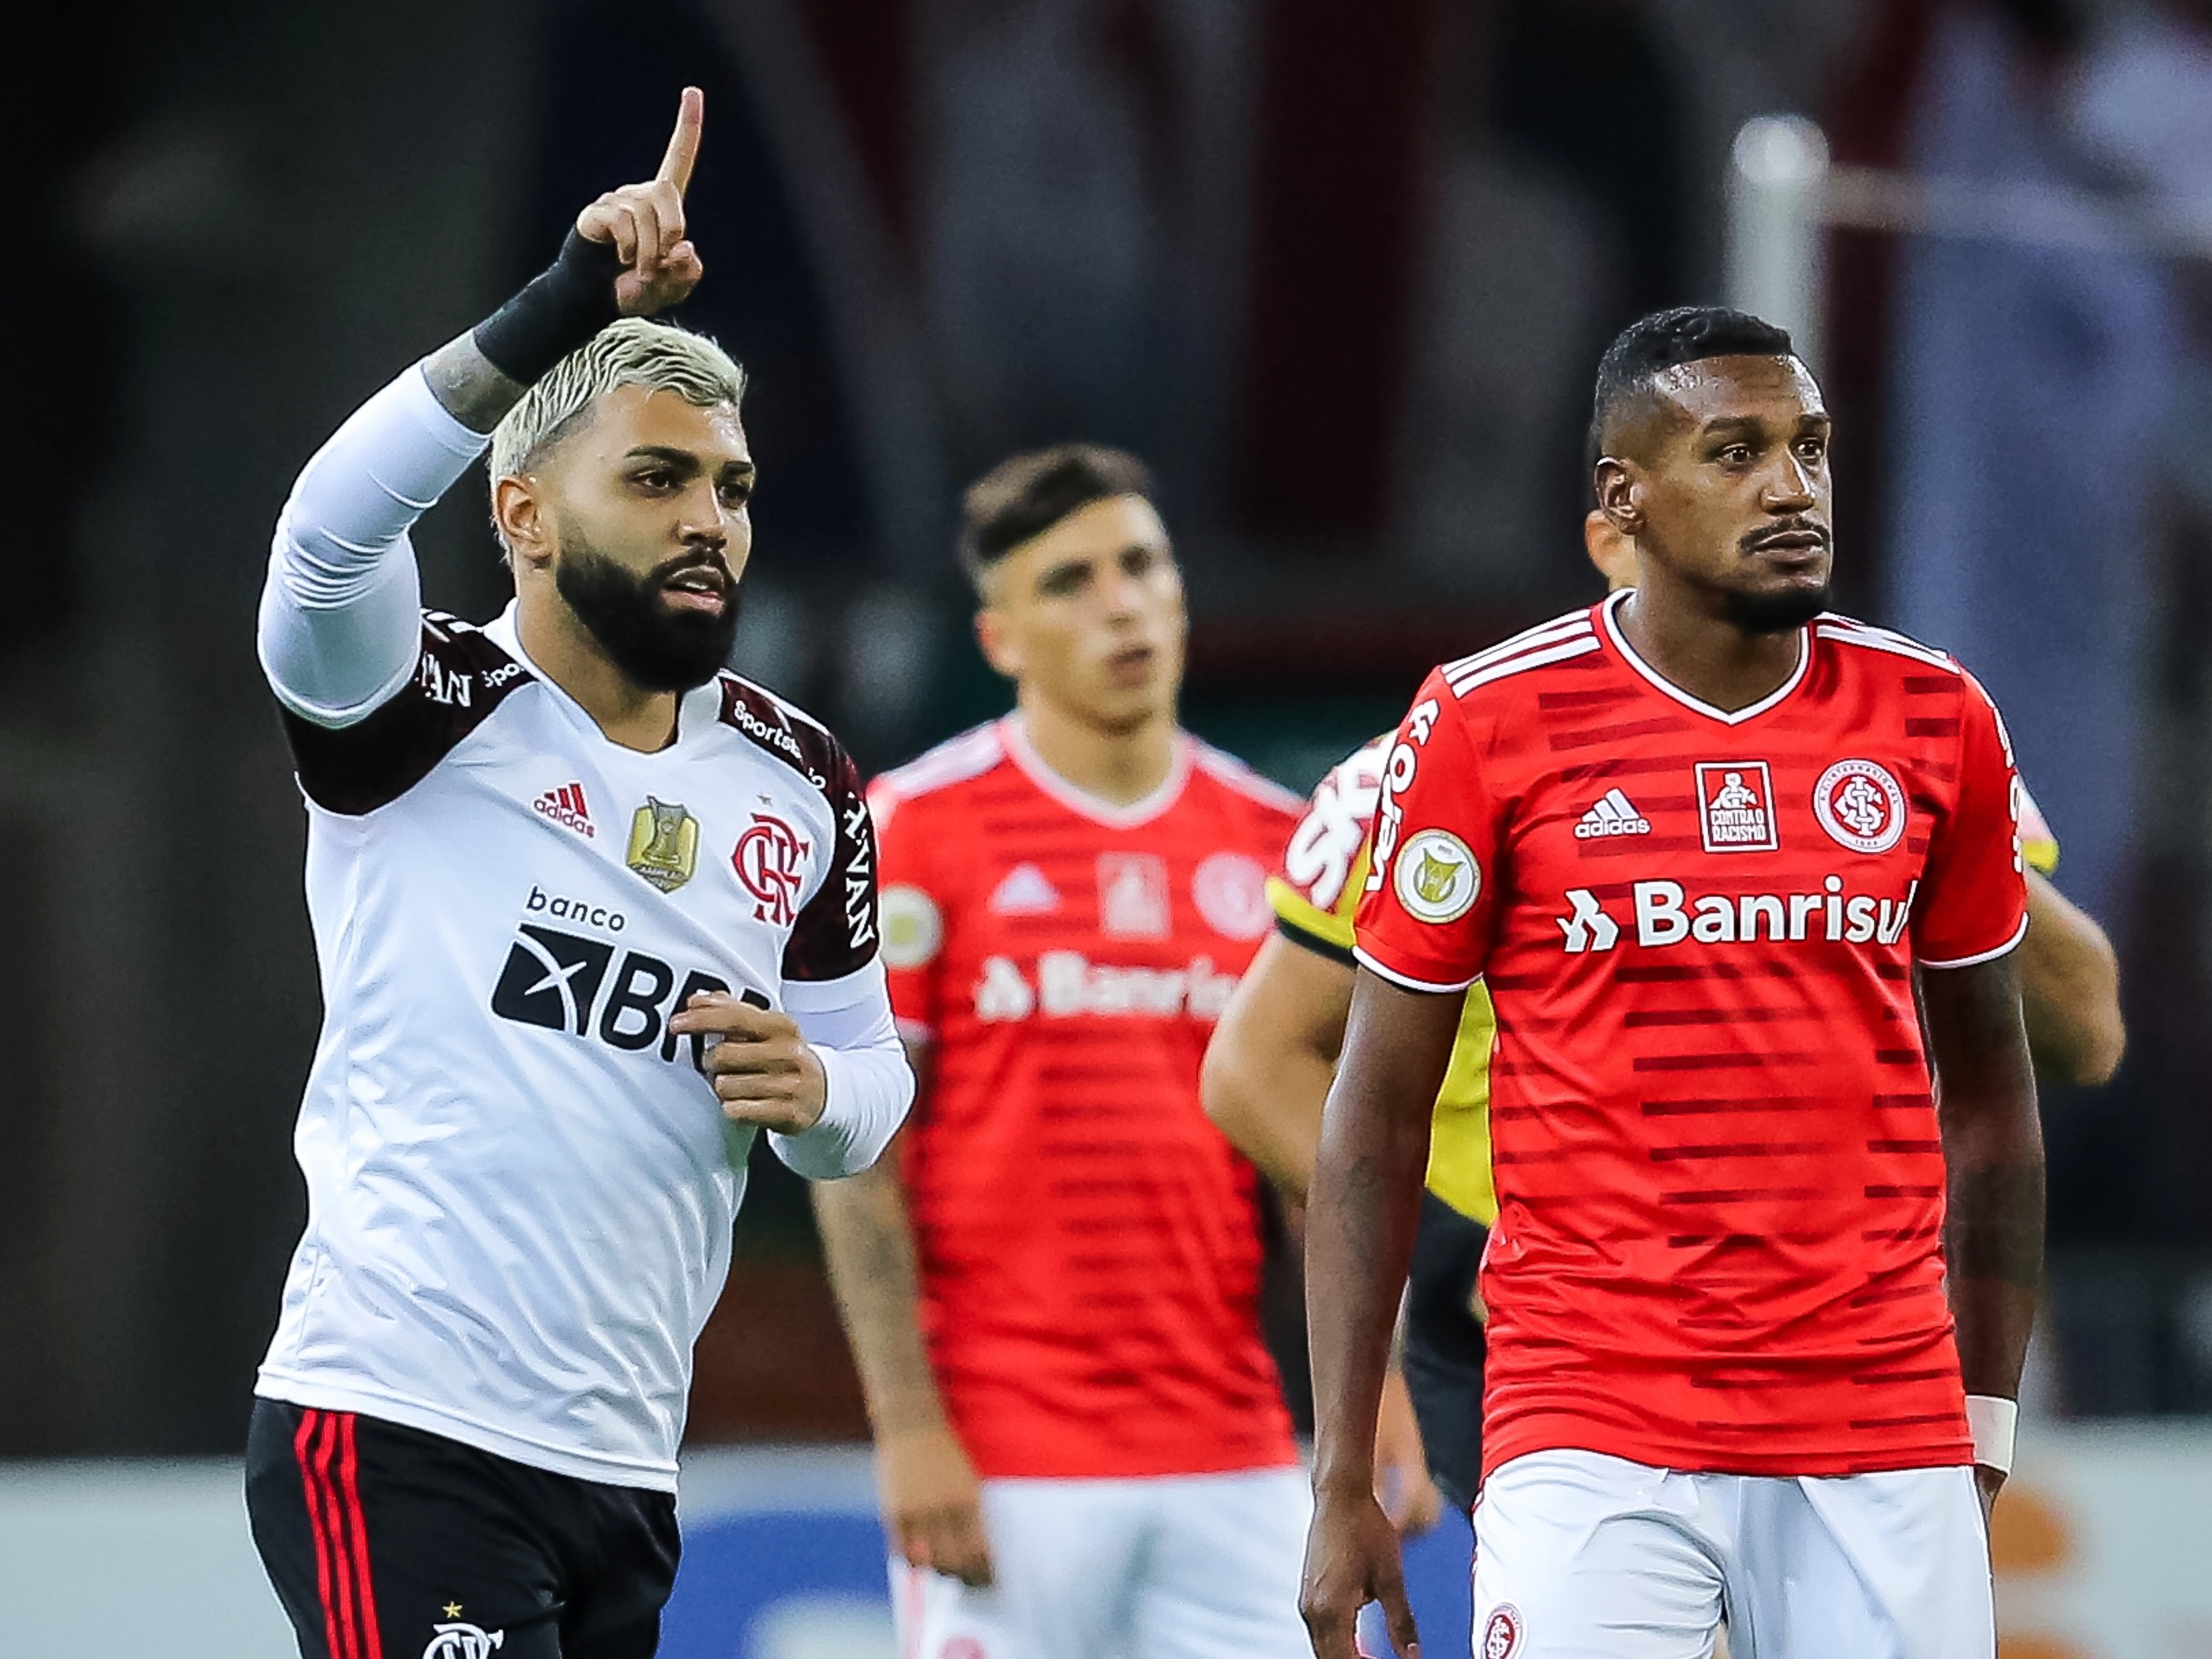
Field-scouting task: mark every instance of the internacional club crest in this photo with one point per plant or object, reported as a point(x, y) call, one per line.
point(770, 859)
point(1230, 892)
point(1501, 1637)
point(1436, 876)
point(664, 843)
point(1861, 806)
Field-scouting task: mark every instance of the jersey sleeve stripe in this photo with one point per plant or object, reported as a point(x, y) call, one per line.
point(2019, 934)
point(1306, 940)
point(1874, 639)
point(1227, 768)
point(1548, 633)
point(1542, 658)
point(1406, 980)
point(1293, 907)
point(956, 760)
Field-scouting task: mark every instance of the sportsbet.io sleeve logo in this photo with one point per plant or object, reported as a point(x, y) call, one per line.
point(1435, 877)
point(1861, 806)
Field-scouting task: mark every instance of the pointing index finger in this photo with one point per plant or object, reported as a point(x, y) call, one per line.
point(683, 143)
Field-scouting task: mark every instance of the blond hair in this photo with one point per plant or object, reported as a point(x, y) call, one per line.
point(631, 351)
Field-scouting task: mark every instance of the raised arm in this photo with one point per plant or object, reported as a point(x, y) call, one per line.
point(1359, 1239)
point(341, 612)
point(932, 1500)
point(2069, 983)
point(1993, 1150)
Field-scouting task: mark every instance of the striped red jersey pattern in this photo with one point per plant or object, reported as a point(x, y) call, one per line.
point(1719, 1179)
point(1090, 1244)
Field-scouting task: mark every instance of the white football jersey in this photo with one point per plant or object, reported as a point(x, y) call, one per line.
point(520, 1187)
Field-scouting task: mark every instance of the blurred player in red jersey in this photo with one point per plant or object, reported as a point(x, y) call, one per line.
point(1056, 1290)
point(1725, 1355)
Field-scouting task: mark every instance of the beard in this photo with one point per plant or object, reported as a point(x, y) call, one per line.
point(656, 648)
point(1775, 613)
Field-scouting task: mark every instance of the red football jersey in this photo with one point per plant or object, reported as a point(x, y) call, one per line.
point(1720, 1180)
point(1090, 1244)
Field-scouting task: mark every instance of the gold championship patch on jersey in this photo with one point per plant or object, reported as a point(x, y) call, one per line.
point(664, 843)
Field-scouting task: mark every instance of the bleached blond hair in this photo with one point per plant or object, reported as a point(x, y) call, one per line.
point(631, 351)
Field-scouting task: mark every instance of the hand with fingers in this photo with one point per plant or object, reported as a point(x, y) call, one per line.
point(1352, 1559)
point(645, 222)
point(932, 1503)
point(764, 1072)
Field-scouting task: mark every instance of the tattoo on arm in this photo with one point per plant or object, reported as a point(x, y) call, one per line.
point(869, 1241)
point(471, 391)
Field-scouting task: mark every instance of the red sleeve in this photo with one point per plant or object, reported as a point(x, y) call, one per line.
point(913, 913)
point(1973, 903)
point(1424, 919)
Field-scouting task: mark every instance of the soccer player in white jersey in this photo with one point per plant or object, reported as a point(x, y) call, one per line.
point(591, 914)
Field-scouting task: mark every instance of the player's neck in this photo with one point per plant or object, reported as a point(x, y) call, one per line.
point(1121, 766)
point(557, 641)
point(1709, 657)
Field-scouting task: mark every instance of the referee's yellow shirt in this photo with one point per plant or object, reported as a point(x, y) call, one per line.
point(1315, 896)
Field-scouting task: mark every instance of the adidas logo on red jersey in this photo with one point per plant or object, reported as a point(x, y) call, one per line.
point(1024, 892)
point(1613, 814)
point(567, 808)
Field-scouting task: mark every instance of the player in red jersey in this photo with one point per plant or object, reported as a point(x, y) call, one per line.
point(1057, 1290)
point(1695, 840)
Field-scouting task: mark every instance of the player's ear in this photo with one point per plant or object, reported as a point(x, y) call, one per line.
point(997, 642)
point(521, 516)
point(1618, 495)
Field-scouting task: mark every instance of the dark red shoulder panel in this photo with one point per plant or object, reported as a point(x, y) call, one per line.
point(836, 933)
point(460, 677)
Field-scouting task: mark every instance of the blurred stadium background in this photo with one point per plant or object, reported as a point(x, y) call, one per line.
point(1341, 272)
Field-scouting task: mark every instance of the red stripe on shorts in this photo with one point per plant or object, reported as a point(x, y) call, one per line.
point(314, 1429)
point(349, 1483)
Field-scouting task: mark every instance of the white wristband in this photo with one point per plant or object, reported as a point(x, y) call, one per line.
point(1991, 1421)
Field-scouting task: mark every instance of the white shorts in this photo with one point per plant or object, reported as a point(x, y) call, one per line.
point(1194, 1566)
point(1581, 1556)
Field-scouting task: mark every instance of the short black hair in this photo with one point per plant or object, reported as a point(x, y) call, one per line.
point(1651, 345)
point(1026, 494)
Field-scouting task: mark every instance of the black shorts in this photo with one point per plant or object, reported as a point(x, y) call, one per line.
point(1444, 1347)
point(386, 1542)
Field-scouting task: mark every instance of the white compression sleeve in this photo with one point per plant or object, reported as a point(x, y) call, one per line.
point(871, 1084)
point(341, 614)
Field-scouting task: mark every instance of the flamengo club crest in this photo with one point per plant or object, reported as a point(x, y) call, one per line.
point(1736, 807)
point(766, 859)
point(1861, 806)
point(664, 843)
point(459, 1641)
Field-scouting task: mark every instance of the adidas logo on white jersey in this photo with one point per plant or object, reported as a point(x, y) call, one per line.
point(1613, 814)
point(1024, 892)
point(566, 806)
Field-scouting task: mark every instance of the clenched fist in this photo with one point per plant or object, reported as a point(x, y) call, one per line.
point(762, 1068)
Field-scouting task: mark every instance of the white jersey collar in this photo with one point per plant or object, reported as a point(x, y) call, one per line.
point(696, 710)
point(1611, 612)
point(1081, 801)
